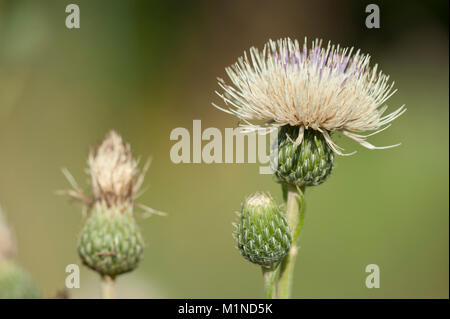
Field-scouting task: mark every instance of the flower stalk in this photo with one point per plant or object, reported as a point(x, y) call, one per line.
point(108, 287)
point(270, 282)
point(295, 215)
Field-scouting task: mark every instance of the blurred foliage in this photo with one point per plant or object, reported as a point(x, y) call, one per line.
point(147, 67)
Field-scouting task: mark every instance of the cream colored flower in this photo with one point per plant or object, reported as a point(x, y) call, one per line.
point(322, 88)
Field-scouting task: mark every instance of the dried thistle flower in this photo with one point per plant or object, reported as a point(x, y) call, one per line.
point(115, 176)
point(113, 171)
point(323, 89)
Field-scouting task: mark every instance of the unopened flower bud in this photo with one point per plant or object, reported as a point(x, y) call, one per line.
point(15, 282)
point(263, 235)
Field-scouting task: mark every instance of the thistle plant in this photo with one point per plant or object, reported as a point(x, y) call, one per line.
point(15, 282)
point(110, 241)
point(308, 94)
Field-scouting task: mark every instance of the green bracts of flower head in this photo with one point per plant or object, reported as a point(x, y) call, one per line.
point(110, 241)
point(16, 283)
point(263, 235)
point(306, 164)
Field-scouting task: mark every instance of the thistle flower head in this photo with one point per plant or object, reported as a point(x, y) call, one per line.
point(110, 241)
point(113, 171)
point(321, 88)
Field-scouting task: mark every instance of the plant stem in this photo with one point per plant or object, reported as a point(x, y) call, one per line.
point(294, 215)
point(108, 288)
point(270, 282)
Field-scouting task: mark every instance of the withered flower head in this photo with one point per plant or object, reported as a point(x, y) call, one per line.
point(113, 171)
point(114, 174)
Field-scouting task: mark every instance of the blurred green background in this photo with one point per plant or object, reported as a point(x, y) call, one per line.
point(145, 68)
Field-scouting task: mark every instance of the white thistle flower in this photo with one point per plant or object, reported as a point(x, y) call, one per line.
point(324, 89)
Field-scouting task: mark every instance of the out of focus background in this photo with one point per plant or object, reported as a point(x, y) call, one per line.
point(147, 67)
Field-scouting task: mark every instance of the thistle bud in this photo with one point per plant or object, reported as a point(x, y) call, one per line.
point(7, 246)
point(307, 163)
point(263, 235)
point(15, 282)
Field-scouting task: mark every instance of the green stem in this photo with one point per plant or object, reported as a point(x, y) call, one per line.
point(270, 282)
point(108, 289)
point(294, 215)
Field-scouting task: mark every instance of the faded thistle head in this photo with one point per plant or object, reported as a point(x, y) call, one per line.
point(113, 172)
point(309, 93)
point(110, 241)
point(262, 232)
